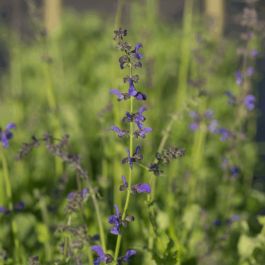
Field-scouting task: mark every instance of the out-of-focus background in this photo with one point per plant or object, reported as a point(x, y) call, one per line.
point(203, 73)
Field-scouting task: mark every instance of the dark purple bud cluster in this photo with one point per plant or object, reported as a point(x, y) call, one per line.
point(75, 200)
point(165, 157)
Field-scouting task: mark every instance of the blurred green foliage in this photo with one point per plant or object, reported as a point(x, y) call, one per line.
point(61, 85)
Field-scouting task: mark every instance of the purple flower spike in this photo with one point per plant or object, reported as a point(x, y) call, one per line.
point(6, 135)
point(239, 78)
point(119, 132)
point(249, 102)
point(141, 188)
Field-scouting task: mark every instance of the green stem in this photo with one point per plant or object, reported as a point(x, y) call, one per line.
point(99, 219)
point(10, 204)
point(67, 239)
point(185, 55)
point(128, 193)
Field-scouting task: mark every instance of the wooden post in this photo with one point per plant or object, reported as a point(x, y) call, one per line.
point(215, 10)
point(52, 13)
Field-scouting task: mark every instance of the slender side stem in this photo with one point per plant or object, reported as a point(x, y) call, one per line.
point(128, 194)
point(99, 220)
point(185, 55)
point(152, 179)
point(118, 13)
point(67, 239)
point(10, 205)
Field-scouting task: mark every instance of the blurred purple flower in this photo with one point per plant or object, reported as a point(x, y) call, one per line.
point(141, 188)
point(254, 53)
point(194, 126)
point(213, 126)
point(209, 114)
point(225, 134)
point(249, 102)
point(250, 71)
point(6, 135)
point(239, 78)
point(234, 170)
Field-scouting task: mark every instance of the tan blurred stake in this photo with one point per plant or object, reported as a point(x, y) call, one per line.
point(215, 9)
point(52, 13)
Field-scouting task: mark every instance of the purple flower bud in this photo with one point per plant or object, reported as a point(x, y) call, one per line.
point(138, 55)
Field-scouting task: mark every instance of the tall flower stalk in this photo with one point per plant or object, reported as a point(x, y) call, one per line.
point(131, 60)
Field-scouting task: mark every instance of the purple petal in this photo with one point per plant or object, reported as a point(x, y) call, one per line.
point(99, 251)
point(4, 140)
point(10, 126)
point(142, 188)
point(140, 96)
point(124, 181)
point(117, 92)
point(129, 253)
